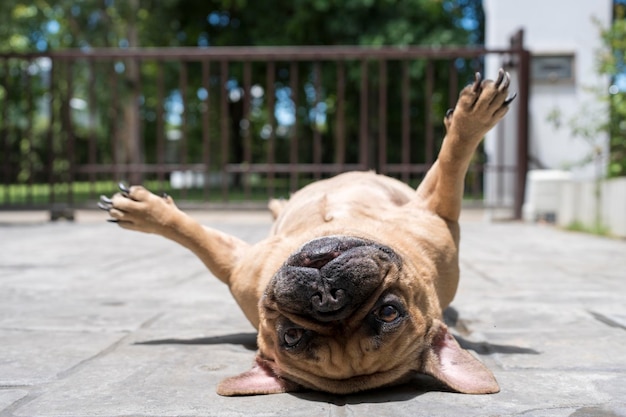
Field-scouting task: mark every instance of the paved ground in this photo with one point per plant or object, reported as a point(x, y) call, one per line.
point(97, 321)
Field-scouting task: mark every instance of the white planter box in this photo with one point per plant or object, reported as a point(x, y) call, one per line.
point(614, 205)
point(553, 196)
point(544, 194)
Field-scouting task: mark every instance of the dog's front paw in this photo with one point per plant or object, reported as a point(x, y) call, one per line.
point(480, 106)
point(138, 209)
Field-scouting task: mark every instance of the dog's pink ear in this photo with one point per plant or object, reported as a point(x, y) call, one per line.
point(257, 381)
point(456, 367)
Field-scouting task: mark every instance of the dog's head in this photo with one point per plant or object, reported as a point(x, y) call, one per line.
point(345, 314)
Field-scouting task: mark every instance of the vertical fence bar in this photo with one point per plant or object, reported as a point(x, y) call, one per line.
point(294, 133)
point(382, 116)
point(28, 134)
point(363, 111)
point(406, 121)
point(453, 83)
point(92, 105)
point(340, 135)
point(141, 97)
point(160, 124)
point(206, 126)
point(12, 136)
point(4, 132)
point(428, 113)
point(500, 166)
point(271, 148)
point(16, 133)
point(224, 134)
point(113, 118)
point(140, 143)
point(182, 85)
point(133, 135)
point(247, 138)
point(50, 132)
point(67, 110)
point(522, 125)
point(317, 136)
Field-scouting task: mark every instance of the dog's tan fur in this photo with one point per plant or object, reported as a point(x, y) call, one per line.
point(420, 226)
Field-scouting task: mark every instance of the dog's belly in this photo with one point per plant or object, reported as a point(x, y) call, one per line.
point(356, 204)
point(371, 206)
point(347, 199)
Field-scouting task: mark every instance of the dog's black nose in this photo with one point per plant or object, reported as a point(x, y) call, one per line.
point(330, 277)
point(330, 301)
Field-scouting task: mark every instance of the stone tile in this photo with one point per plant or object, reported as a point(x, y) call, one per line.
point(30, 357)
point(10, 396)
point(161, 380)
point(104, 322)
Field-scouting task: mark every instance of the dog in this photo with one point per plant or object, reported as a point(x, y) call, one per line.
point(347, 292)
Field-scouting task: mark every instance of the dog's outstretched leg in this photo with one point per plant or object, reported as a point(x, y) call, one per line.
point(136, 208)
point(480, 106)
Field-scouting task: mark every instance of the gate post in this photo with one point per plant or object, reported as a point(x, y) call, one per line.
point(523, 73)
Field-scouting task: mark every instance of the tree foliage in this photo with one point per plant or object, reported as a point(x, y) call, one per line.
point(53, 25)
point(41, 25)
point(45, 25)
point(612, 63)
point(591, 123)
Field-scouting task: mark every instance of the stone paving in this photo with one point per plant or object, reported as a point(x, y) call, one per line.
point(97, 321)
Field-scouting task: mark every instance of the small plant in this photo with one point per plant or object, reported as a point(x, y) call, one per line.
point(597, 229)
point(612, 63)
point(591, 121)
point(592, 124)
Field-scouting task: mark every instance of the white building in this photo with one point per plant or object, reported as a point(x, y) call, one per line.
point(563, 39)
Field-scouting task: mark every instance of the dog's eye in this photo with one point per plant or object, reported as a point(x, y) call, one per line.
point(292, 336)
point(387, 313)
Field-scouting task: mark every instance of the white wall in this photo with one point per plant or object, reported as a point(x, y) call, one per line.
point(551, 26)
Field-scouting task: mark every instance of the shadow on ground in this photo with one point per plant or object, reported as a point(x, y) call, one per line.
point(417, 386)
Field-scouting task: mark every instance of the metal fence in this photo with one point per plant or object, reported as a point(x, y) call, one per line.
point(231, 125)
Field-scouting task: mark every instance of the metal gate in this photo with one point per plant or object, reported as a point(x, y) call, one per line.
point(232, 126)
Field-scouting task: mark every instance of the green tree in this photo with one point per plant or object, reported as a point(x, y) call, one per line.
point(330, 22)
point(612, 63)
point(339, 22)
point(44, 25)
point(52, 25)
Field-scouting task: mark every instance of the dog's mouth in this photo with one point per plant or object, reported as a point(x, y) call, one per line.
point(319, 252)
point(328, 278)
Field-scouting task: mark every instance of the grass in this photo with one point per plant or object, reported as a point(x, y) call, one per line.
point(596, 229)
point(85, 193)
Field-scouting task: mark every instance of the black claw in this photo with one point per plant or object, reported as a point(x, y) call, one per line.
point(105, 199)
point(113, 220)
point(510, 99)
point(165, 195)
point(476, 86)
point(123, 188)
point(449, 113)
point(104, 206)
point(500, 77)
point(507, 81)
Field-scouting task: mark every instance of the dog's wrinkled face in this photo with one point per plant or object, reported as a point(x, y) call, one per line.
point(345, 314)
point(339, 316)
point(330, 277)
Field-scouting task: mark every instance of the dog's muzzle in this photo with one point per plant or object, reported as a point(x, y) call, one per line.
point(330, 277)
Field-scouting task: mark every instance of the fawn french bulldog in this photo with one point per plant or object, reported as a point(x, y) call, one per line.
point(347, 292)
